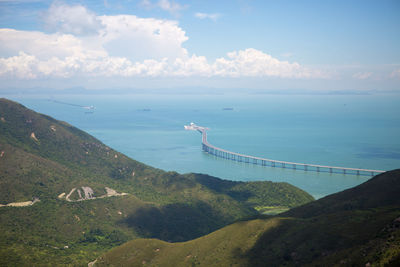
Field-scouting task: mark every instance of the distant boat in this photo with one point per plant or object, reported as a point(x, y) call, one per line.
point(227, 109)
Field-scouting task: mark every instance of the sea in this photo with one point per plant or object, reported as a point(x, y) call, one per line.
point(356, 131)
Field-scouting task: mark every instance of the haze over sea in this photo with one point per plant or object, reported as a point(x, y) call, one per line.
point(358, 131)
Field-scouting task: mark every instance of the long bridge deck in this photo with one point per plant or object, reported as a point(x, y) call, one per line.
point(219, 152)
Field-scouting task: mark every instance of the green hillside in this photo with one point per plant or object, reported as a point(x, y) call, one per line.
point(80, 211)
point(356, 227)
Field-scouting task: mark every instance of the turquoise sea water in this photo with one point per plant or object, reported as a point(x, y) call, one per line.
point(358, 131)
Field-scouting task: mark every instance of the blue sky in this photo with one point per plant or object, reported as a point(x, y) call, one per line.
point(285, 45)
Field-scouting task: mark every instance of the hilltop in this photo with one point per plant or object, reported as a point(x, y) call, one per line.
point(357, 227)
point(67, 198)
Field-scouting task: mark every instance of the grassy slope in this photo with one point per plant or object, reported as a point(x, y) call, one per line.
point(350, 228)
point(164, 205)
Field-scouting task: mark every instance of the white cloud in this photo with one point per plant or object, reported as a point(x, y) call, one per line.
point(255, 63)
point(362, 75)
point(125, 46)
point(73, 19)
point(213, 16)
point(45, 46)
point(139, 38)
point(169, 6)
point(193, 66)
point(20, 66)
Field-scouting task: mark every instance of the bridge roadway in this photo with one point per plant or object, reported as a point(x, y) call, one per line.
point(219, 152)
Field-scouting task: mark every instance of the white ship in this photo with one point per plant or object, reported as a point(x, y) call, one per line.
point(191, 126)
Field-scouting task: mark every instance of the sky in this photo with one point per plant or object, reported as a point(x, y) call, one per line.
point(341, 45)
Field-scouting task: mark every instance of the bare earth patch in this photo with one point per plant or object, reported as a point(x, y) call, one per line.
point(21, 204)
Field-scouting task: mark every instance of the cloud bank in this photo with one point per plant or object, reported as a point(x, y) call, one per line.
point(81, 44)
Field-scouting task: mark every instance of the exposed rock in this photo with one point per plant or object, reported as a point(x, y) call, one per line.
point(92, 263)
point(111, 192)
point(21, 204)
point(70, 193)
point(79, 193)
point(88, 192)
point(33, 136)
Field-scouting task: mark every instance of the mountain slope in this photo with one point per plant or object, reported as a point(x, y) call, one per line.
point(351, 228)
point(82, 211)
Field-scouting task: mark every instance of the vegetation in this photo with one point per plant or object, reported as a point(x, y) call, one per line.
point(356, 227)
point(41, 157)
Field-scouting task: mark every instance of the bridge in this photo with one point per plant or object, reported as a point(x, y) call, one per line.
point(222, 153)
